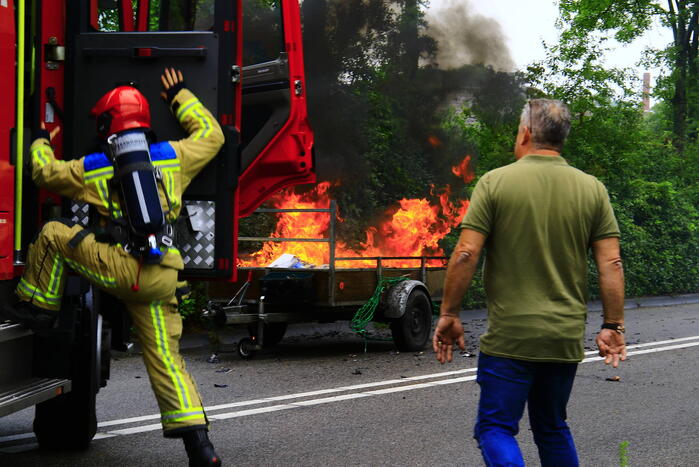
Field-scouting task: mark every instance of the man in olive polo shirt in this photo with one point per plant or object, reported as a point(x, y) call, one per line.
point(537, 218)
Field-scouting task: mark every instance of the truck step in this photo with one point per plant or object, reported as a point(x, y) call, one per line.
point(30, 392)
point(10, 331)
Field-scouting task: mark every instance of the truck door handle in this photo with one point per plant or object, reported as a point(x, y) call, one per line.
point(51, 99)
point(146, 52)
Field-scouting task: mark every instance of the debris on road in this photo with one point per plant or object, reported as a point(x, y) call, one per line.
point(614, 378)
point(213, 358)
point(223, 370)
point(216, 385)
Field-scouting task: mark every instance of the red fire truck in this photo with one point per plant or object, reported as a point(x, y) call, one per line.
point(243, 59)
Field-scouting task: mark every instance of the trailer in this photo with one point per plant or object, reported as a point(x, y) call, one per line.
point(267, 299)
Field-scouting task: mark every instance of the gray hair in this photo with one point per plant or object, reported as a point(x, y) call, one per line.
point(548, 121)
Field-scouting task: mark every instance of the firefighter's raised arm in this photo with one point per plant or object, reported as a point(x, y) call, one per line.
point(62, 177)
point(205, 135)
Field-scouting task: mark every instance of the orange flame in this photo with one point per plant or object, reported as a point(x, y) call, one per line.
point(434, 141)
point(297, 225)
point(463, 170)
point(413, 228)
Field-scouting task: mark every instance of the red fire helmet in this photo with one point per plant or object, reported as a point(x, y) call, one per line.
point(122, 108)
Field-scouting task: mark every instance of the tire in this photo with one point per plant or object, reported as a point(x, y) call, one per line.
point(69, 421)
point(246, 348)
point(105, 356)
point(273, 333)
point(412, 330)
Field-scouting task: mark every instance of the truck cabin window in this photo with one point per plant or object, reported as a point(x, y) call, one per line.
point(163, 15)
point(263, 34)
point(263, 30)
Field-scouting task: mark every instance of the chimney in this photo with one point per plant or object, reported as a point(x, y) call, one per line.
point(646, 92)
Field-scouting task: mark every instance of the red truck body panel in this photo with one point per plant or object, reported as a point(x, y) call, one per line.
point(7, 122)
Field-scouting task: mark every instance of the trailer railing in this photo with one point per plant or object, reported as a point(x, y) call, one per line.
point(331, 240)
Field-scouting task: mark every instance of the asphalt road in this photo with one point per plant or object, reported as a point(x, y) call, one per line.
point(317, 399)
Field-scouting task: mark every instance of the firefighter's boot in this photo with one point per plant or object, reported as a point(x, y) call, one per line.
point(199, 449)
point(29, 315)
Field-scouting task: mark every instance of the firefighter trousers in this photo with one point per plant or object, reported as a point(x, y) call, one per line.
point(153, 309)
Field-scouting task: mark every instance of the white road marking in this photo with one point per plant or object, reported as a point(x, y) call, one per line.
point(362, 390)
point(320, 392)
point(299, 395)
point(648, 344)
point(669, 347)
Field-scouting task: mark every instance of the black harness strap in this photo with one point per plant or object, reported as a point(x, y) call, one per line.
point(159, 178)
point(136, 166)
point(79, 237)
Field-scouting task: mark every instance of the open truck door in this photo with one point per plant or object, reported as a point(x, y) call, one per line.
point(277, 142)
point(261, 107)
point(69, 53)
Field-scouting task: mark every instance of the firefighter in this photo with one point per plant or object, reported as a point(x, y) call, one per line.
point(141, 271)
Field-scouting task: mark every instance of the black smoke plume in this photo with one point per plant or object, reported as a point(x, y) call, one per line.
point(467, 38)
point(381, 88)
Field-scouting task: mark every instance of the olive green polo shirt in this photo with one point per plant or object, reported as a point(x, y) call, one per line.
point(540, 217)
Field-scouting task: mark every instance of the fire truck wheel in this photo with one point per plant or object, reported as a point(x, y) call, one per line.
point(273, 333)
point(412, 330)
point(246, 348)
point(69, 421)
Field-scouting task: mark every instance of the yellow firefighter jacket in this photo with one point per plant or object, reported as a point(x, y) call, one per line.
point(87, 179)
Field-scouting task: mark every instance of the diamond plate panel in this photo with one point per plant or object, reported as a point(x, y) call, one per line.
point(196, 234)
point(80, 213)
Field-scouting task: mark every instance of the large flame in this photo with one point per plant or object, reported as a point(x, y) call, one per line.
point(413, 228)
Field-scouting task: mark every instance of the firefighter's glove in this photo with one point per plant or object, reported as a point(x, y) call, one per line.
point(173, 82)
point(42, 133)
point(182, 291)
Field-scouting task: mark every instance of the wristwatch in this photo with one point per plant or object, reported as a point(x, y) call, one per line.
point(614, 327)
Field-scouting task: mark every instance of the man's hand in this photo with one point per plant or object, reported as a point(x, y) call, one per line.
point(170, 78)
point(449, 330)
point(611, 346)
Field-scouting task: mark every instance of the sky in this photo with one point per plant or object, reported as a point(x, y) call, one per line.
point(526, 23)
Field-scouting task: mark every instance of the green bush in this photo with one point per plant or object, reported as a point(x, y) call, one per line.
point(190, 306)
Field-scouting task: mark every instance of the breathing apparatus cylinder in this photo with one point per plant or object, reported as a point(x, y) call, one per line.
point(136, 177)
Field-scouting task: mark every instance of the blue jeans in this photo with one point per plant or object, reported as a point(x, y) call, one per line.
point(506, 386)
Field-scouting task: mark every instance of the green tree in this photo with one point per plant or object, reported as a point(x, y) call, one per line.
point(625, 20)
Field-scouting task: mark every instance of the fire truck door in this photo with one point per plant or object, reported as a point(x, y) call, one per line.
point(276, 139)
point(203, 46)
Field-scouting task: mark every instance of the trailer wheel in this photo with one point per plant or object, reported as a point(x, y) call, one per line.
point(412, 330)
point(69, 421)
point(273, 333)
point(246, 348)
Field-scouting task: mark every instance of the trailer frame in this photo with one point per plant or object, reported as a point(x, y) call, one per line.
point(329, 305)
